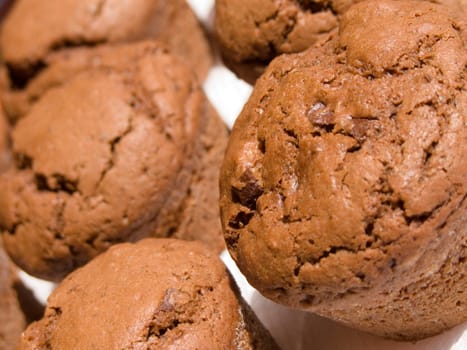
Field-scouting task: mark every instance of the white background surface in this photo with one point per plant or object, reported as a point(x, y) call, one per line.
point(293, 330)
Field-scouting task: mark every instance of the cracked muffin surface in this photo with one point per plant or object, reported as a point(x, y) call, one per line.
point(34, 29)
point(155, 294)
point(343, 188)
point(251, 33)
point(262, 29)
point(121, 145)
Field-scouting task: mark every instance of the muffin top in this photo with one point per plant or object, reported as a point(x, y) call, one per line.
point(34, 28)
point(262, 29)
point(350, 156)
point(99, 155)
point(155, 294)
point(251, 33)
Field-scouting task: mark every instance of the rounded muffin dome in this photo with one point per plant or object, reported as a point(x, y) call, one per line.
point(252, 32)
point(155, 294)
point(121, 145)
point(34, 30)
point(343, 187)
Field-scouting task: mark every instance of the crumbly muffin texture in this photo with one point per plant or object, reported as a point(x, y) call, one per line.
point(262, 29)
point(119, 144)
point(155, 294)
point(343, 190)
point(251, 33)
point(34, 29)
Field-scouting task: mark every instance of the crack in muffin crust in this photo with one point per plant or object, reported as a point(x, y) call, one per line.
point(154, 294)
point(251, 33)
point(90, 23)
point(110, 152)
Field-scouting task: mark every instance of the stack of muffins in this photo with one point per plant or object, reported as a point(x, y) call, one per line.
point(342, 187)
point(113, 140)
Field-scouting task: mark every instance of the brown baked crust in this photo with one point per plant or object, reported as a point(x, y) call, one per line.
point(262, 29)
point(114, 148)
point(198, 217)
point(155, 294)
point(59, 25)
point(343, 190)
point(251, 33)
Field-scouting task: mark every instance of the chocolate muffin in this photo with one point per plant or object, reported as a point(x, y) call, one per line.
point(120, 144)
point(251, 33)
point(34, 29)
point(343, 190)
point(155, 294)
